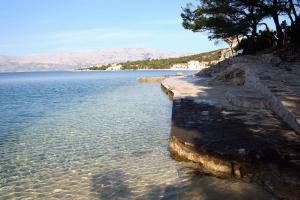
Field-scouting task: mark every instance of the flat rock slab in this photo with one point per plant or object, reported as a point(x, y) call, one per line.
point(234, 134)
point(151, 79)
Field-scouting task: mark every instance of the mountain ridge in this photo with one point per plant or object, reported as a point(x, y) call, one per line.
point(74, 60)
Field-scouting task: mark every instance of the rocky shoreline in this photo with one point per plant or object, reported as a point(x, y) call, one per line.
point(240, 119)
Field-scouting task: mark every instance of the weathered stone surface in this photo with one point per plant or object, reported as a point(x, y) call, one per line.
point(224, 131)
point(234, 130)
point(151, 79)
point(281, 87)
point(233, 75)
point(157, 79)
point(246, 98)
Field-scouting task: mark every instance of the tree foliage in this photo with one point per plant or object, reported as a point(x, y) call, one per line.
point(163, 63)
point(243, 19)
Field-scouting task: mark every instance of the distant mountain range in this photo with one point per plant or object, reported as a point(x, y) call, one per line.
point(76, 60)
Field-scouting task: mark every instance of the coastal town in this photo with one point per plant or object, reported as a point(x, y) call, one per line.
point(191, 65)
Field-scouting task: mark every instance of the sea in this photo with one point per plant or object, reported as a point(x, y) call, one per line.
point(96, 135)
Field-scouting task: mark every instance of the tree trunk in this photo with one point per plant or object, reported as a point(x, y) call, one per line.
point(231, 47)
point(278, 30)
point(291, 19)
point(293, 9)
point(252, 47)
point(253, 38)
point(237, 39)
point(267, 27)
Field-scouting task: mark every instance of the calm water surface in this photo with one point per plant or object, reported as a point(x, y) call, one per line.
point(95, 135)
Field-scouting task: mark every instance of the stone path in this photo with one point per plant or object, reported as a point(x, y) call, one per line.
point(285, 86)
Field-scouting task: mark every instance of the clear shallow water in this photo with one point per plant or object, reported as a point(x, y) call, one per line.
point(95, 135)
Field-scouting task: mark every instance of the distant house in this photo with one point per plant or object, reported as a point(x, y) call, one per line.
point(191, 65)
point(114, 67)
point(179, 66)
point(194, 64)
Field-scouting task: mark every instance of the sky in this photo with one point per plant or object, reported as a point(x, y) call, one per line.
point(31, 27)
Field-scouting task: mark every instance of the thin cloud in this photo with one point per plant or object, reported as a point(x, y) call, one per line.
point(95, 34)
point(93, 39)
point(104, 35)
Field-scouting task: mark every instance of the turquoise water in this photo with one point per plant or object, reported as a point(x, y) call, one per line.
point(95, 135)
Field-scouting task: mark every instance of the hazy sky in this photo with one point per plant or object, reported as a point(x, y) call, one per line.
point(50, 26)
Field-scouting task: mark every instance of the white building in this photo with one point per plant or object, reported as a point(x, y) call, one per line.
point(179, 66)
point(191, 65)
point(114, 67)
point(194, 64)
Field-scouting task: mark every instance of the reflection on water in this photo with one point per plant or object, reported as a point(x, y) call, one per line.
point(95, 135)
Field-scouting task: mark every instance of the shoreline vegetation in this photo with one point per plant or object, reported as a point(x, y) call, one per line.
point(180, 63)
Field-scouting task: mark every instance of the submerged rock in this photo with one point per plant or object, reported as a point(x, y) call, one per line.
point(151, 79)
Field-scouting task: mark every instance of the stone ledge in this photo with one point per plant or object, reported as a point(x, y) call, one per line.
point(235, 144)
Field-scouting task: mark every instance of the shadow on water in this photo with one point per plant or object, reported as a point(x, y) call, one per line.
point(113, 185)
